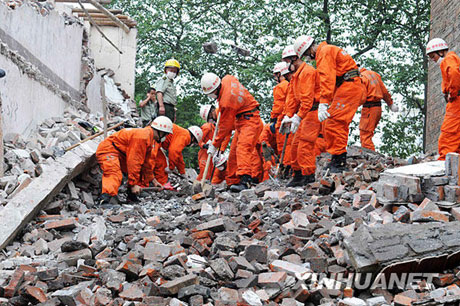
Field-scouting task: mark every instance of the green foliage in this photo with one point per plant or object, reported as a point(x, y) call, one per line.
point(386, 36)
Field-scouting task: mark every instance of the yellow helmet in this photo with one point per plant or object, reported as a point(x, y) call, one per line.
point(172, 63)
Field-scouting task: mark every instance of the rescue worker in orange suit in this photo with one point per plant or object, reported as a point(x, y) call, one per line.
point(209, 114)
point(175, 144)
point(302, 115)
point(282, 76)
point(131, 151)
point(372, 108)
point(449, 139)
point(238, 108)
point(267, 148)
point(341, 93)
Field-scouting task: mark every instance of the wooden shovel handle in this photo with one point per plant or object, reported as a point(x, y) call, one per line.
point(208, 161)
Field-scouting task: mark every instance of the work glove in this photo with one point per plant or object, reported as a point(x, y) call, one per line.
point(394, 108)
point(167, 170)
point(284, 128)
point(211, 149)
point(215, 159)
point(295, 122)
point(322, 112)
point(206, 145)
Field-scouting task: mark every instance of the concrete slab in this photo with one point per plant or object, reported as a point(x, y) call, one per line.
point(435, 168)
point(27, 203)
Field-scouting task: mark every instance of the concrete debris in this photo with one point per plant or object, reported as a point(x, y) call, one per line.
point(270, 245)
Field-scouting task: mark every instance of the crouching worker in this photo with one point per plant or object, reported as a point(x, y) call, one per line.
point(175, 144)
point(131, 151)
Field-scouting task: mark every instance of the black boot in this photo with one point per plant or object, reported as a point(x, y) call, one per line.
point(245, 183)
point(254, 180)
point(338, 163)
point(103, 199)
point(307, 179)
point(131, 196)
point(297, 180)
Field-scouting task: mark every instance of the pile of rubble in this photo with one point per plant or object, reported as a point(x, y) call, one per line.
point(24, 156)
point(269, 245)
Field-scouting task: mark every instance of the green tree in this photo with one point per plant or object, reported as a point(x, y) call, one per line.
point(386, 36)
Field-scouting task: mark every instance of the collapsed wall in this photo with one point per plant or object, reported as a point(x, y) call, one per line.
point(42, 58)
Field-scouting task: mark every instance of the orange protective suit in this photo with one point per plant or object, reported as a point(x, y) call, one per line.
point(343, 99)
point(160, 164)
point(218, 177)
point(449, 140)
point(372, 109)
point(302, 98)
point(238, 107)
point(320, 144)
point(279, 100)
point(131, 151)
point(279, 110)
point(175, 144)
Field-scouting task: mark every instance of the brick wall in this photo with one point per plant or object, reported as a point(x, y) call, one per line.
point(445, 23)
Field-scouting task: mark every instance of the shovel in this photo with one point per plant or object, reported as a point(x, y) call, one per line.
point(282, 155)
point(203, 186)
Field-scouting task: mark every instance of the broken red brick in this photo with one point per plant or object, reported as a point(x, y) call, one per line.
point(16, 280)
point(202, 234)
point(36, 294)
point(67, 224)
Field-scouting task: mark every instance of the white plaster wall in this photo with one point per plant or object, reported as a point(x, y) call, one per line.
point(93, 92)
point(25, 102)
point(106, 56)
point(55, 50)
point(55, 44)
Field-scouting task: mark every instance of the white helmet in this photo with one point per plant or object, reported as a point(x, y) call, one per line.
point(204, 111)
point(197, 132)
point(163, 123)
point(277, 68)
point(288, 51)
point(284, 68)
point(222, 160)
point(302, 43)
point(209, 82)
point(436, 44)
point(281, 67)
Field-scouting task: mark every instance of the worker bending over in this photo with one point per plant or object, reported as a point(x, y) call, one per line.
point(131, 151)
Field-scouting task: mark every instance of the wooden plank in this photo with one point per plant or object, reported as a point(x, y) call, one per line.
point(84, 1)
point(110, 15)
point(100, 15)
point(79, 10)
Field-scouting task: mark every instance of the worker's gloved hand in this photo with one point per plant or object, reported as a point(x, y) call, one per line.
point(322, 112)
point(167, 170)
point(284, 128)
point(216, 159)
point(156, 183)
point(211, 149)
point(136, 189)
point(394, 108)
point(206, 145)
point(295, 122)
